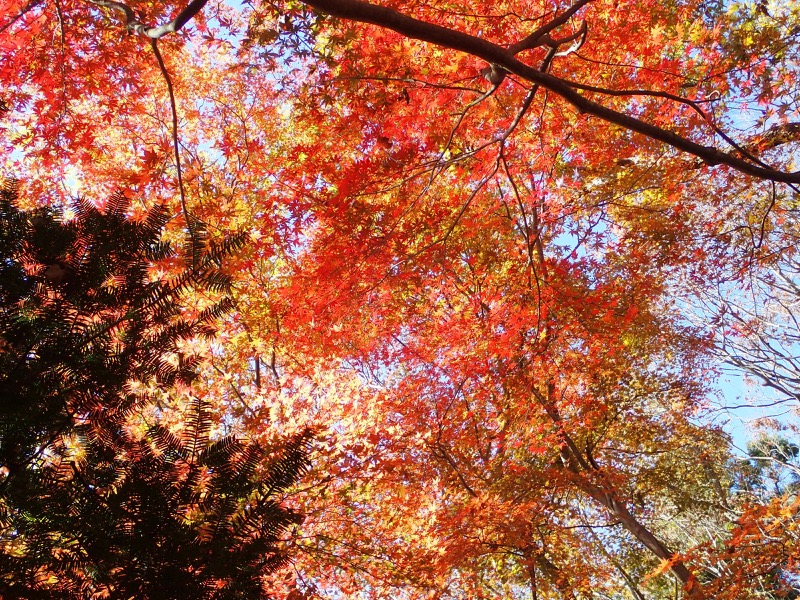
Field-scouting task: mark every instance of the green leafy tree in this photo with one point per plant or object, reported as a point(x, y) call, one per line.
point(91, 505)
point(772, 469)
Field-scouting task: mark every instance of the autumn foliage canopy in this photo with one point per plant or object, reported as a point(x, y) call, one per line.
point(491, 249)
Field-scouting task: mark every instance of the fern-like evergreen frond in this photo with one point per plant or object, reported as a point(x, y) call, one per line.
point(86, 507)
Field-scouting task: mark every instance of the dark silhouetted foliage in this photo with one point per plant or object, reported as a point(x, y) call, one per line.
point(88, 506)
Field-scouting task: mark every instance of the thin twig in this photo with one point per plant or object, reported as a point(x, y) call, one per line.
point(20, 14)
point(186, 214)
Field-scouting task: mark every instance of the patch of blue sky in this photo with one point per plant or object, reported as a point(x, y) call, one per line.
point(738, 402)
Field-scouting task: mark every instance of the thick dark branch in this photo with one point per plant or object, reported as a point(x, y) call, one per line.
point(695, 106)
point(356, 10)
point(133, 24)
point(554, 575)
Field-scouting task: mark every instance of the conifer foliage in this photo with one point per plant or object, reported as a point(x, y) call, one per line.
point(92, 505)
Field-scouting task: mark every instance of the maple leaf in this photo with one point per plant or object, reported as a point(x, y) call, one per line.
point(477, 284)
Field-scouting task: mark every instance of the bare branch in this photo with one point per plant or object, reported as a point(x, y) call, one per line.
point(579, 35)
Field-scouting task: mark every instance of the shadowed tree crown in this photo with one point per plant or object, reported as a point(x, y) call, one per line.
point(91, 505)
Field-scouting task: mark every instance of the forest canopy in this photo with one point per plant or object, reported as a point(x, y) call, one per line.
point(495, 255)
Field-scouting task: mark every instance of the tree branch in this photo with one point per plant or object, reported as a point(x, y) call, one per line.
point(443, 453)
point(135, 25)
point(188, 217)
point(357, 10)
point(27, 8)
point(535, 38)
point(775, 136)
point(591, 481)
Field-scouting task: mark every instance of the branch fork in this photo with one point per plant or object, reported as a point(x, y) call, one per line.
point(134, 25)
